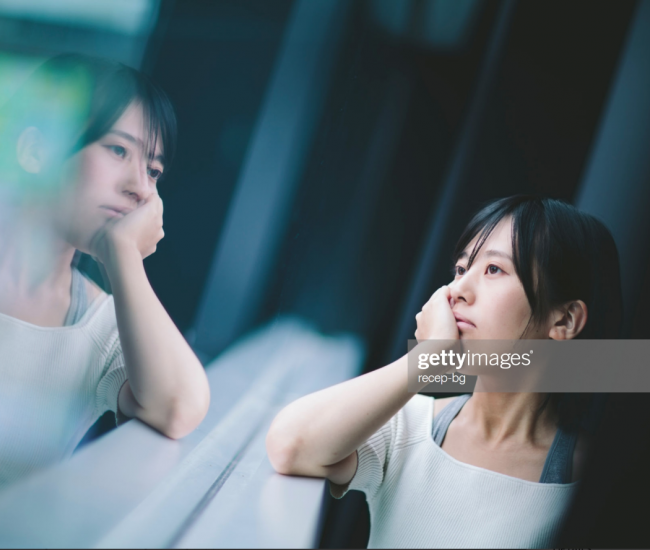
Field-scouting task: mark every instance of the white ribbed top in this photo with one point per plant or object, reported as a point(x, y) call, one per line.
point(420, 497)
point(54, 384)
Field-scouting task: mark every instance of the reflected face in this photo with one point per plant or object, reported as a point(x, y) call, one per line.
point(488, 299)
point(107, 179)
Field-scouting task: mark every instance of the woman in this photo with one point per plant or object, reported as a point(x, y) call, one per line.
point(84, 144)
point(490, 469)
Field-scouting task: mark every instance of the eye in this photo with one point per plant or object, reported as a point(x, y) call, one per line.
point(493, 269)
point(458, 270)
point(118, 150)
point(154, 173)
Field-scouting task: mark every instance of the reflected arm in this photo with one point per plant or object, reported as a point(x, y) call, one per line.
point(167, 387)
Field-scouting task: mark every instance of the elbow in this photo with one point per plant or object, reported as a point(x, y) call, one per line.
point(184, 416)
point(283, 450)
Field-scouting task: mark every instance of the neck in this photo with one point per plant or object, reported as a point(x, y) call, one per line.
point(501, 416)
point(33, 258)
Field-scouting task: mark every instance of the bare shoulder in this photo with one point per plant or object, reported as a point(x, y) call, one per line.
point(439, 404)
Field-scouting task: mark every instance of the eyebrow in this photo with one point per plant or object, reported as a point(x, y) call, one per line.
point(489, 253)
point(136, 141)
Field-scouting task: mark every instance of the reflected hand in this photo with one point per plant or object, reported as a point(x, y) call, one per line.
point(436, 320)
point(140, 229)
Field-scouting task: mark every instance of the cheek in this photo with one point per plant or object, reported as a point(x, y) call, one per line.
point(77, 210)
point(87, 176)
point(509, 312)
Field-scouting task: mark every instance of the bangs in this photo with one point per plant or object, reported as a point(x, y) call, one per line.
point(159, 121)
point(482, 226)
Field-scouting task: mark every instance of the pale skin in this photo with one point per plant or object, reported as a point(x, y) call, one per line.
point(108, 207)
point(319, 434)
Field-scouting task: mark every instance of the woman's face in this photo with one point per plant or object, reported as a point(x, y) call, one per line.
point(488, 300)
point(106, 179)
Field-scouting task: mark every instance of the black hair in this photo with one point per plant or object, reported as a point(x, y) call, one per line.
point(560, 254)
point(96, 92)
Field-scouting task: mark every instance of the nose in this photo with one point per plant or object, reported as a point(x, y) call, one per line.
point(136, 185)
point(463, 288)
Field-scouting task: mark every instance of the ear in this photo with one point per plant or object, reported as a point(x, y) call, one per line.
point(569, 320)
point(30, 150)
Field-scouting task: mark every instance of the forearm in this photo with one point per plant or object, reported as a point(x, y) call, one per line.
point(167, 381)
point(325, 427)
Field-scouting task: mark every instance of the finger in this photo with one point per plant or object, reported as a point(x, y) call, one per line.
point(442, 296)
point(432, 296)
point(445, 291)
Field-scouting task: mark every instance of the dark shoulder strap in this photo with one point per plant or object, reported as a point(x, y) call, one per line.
point(443, 419)
point(558, 467)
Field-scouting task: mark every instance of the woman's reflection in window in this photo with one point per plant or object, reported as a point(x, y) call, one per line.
point(84, 145)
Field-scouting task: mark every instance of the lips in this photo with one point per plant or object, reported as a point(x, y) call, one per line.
point(117, 210)
point(463, 320)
